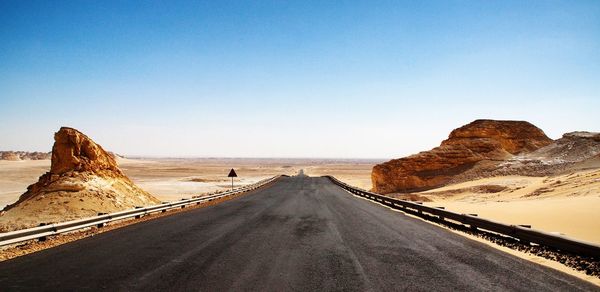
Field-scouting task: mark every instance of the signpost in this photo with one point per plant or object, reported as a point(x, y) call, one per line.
point(232, 174)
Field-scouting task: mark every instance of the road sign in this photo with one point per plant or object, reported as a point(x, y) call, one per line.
point(232, 174)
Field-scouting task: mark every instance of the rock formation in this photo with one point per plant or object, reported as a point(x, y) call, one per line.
point(10, 155)
point(468, 146)
point(83, 180)
point(22, 155)
point(574, 151)
point(572, 147)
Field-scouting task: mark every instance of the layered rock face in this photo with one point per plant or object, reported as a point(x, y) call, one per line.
point(467, 146)
point(83, 180)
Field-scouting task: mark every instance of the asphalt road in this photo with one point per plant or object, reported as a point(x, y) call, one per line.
point(300, 234)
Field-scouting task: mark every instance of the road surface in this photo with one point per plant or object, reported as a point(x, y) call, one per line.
point(300, 234)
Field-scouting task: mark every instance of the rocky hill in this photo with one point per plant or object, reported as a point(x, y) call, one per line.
point(574, 151)
point(23, 155)
point(572, 147)
point(480, 145)
point(83, 180)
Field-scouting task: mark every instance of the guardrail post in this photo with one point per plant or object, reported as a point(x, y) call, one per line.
point(165, 210)
point(138, 216)
point(523, 241)
point(419, 210)
point(441, 217)
point(473, 227)
point(43, 238)
point(100, 225)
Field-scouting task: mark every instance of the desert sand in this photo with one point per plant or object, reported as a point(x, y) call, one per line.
point(15, 176)
point(567, 204)
point(174, 179)
point(357, 174)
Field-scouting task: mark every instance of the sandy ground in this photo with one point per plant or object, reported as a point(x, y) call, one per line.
point(565, 204)
point(15, 176)
point(173, 179)
point(356, 174)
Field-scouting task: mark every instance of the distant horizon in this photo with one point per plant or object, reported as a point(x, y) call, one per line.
point(168, 156)
point(142, 157)
point(258, 158)
point(358, 79)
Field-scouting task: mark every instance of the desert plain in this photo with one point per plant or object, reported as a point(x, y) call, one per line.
point(565, 204)
point(171, 179)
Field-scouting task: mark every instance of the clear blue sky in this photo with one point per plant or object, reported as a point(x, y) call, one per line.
point(292, 78)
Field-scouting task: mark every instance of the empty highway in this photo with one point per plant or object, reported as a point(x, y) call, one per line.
point(299, 234)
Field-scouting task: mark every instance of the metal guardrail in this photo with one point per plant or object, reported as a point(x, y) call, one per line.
point(524, 234)
point(68, 226)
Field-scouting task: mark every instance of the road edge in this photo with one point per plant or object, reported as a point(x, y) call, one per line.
point(34, 245)
point(555, 265)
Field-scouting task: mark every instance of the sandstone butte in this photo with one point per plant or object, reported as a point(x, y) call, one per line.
point(83, 180)
point(481, 140)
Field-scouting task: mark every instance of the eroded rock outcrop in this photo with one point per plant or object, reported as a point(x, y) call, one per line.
point(572, 147)
point(74, 151)
point(573, 151)
point(10, 156)
point(83, 180)
point(467, 146)
point(23, 155)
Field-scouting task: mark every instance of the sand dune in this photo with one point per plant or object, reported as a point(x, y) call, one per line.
point(568, 204)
